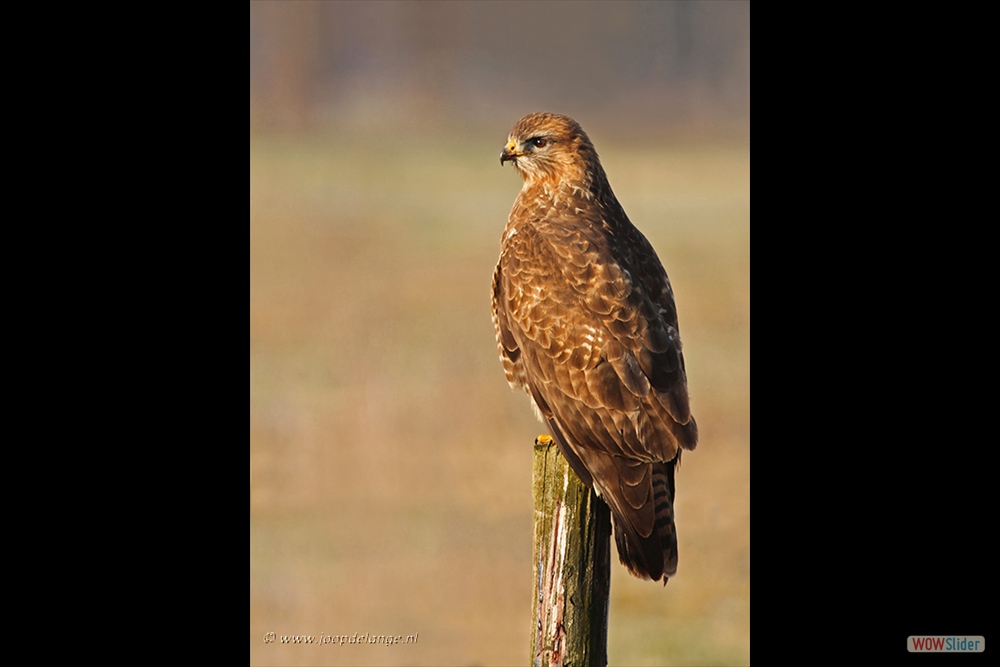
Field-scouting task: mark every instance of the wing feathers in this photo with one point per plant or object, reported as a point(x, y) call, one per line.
point(631, 374)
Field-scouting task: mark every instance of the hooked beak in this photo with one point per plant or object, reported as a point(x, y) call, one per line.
point(508, 153)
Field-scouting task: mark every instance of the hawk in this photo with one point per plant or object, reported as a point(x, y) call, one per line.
point(585, 323)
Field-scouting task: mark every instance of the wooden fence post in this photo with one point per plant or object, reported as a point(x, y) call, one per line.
point(572, 565)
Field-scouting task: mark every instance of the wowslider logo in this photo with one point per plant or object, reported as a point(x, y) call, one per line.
point(921, 644)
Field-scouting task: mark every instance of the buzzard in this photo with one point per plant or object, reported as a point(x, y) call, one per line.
point(585, 323)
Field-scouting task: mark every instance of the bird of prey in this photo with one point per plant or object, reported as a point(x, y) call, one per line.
point(585, 323)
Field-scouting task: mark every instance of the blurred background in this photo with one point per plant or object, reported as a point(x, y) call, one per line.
point(390, 463)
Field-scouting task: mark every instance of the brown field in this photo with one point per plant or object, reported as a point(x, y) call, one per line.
point(390, 464)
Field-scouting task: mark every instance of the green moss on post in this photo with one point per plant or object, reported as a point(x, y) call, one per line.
point(572, 565)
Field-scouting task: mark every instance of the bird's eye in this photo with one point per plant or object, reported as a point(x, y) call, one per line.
point(539, 142)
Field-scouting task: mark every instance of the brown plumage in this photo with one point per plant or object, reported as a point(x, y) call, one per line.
point(586, 325)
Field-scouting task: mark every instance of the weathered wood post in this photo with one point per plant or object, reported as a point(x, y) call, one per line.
point(572, 565)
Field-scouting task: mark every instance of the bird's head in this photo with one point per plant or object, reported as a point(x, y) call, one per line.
point(550, 147)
